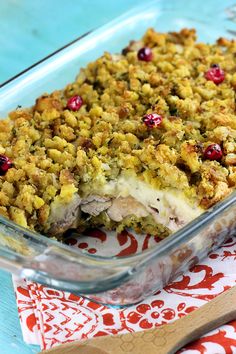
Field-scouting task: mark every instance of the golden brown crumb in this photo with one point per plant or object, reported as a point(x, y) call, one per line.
point(57, 152)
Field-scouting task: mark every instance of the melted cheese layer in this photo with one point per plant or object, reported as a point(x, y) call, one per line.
point(169, 207)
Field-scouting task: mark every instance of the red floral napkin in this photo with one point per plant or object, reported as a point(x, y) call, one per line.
point(50, 317)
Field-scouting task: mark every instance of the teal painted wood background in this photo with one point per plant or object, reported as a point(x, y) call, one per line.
point(30, 30)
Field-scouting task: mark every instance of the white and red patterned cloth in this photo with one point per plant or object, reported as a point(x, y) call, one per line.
point(49, 317)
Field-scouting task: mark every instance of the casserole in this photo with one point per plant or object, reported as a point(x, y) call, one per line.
point(112, 280)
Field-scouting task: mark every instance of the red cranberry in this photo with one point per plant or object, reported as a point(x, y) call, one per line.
point(213, 152)
point(5, 164)
point(74, 103)
point(152, 120)
point(145, 54)
point(215, 74)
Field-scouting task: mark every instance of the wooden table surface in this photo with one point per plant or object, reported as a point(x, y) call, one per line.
point(30, 30)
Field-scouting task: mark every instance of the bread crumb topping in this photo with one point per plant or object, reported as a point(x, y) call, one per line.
point(59, 152)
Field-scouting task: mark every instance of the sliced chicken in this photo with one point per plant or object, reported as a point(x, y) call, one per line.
point(95, 204)
point(64, 216)
point(122, 207)
point(122, 198)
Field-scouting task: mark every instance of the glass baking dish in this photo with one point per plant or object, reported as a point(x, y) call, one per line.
point(113, 280)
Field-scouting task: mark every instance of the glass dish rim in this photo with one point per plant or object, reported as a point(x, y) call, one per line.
point(123, 15)
point(44, 59)
point(184, 233)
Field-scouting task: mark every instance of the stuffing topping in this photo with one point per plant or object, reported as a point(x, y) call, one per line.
point(72, 143)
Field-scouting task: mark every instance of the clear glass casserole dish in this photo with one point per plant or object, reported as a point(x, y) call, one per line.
point(115, 280)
